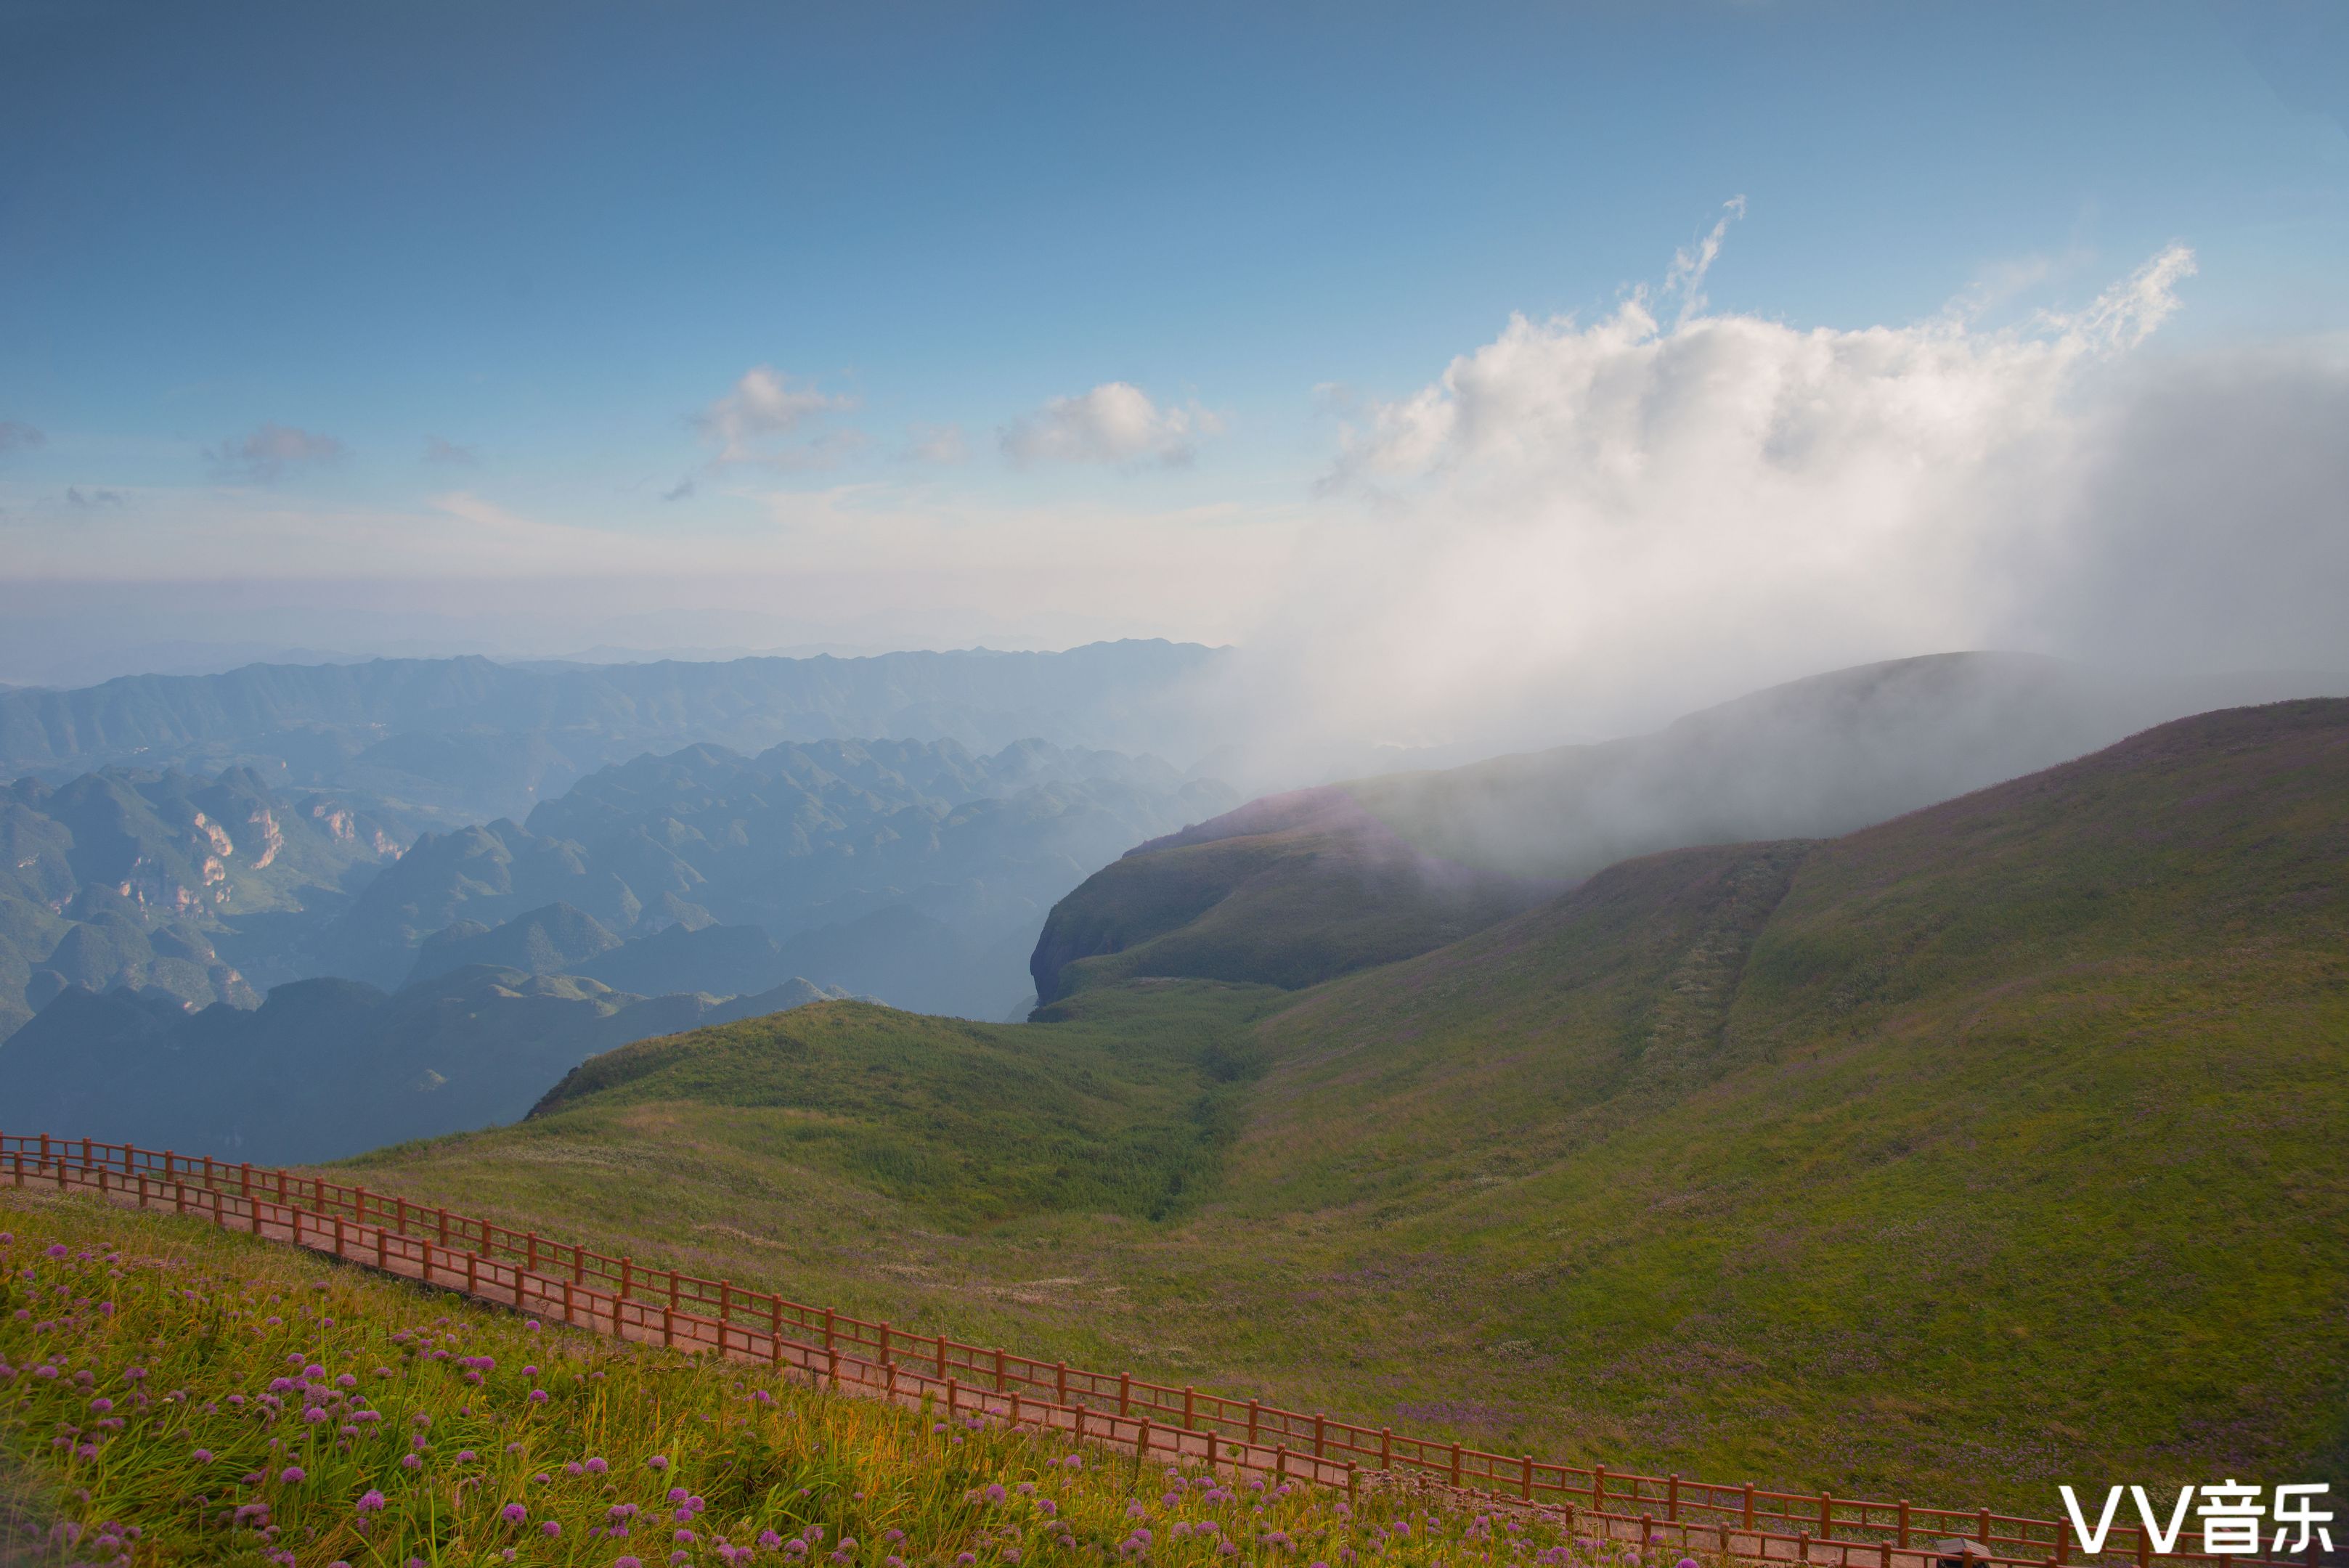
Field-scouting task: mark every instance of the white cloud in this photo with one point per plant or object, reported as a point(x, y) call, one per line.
point(1580, 526)
point(1115, 422)
point(450, 453)
point(748, 425)
point(15, 435)
point(265, 455)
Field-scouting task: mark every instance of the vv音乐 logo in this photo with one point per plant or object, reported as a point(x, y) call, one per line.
point(2232, 1520)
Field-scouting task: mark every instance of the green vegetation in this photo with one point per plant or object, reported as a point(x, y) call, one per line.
point(174, 1394)
point(972, 1123)
point(1287, 892)
point(1993, 1147)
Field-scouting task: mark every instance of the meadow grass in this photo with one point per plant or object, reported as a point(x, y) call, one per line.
point(174, 1394)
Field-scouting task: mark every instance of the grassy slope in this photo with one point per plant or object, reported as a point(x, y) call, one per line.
point(1287, 892)
point(198, 1325)
point(1994, 1146)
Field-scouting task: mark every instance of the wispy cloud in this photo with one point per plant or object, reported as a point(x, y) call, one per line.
point(681, 490)
point(1114, 423)
point(272, 451)
point(938, 444)
point(15, 435)
point(449, 454)
point(753, 423)
point(77, 497)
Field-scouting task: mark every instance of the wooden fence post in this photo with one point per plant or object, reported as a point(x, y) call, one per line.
point(1673, 1496)
point(1386, 1448)
point(1598, 1494)
point(1455, 1467)
point(1904, 1516)
point(1526, 1486)
point(1252, 1422)
point(1125, 1393)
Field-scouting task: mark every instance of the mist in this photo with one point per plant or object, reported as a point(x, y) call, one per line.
point(1582, 530)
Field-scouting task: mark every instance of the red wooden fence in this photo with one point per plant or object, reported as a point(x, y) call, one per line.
point(623, 1297)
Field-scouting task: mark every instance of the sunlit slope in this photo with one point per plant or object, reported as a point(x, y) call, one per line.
point(1994, 1146)
point(2029, 1102)
point(968, 1124)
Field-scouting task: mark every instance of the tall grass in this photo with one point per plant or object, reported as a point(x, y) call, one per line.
point(180, 1395)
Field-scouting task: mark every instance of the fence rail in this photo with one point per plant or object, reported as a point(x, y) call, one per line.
point(622, 1298)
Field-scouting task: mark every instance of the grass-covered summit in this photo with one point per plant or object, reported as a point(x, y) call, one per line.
point(1994, 1146)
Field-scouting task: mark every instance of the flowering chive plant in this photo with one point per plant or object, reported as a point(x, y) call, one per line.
point(240, 1402)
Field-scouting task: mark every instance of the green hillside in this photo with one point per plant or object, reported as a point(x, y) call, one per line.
point(1994, 1146)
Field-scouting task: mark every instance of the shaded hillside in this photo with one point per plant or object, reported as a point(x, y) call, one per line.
point(1809, 1162)
point(147, 879)
point(1811, 759)
point(467, 740)
point(1287, 890)
point(326, 1069)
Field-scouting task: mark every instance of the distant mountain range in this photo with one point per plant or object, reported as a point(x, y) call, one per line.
point(326, 1069)
point(120, 879)
point(460, 740)
point(916, 872)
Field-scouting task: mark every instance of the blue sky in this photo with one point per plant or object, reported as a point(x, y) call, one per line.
point(556, 237)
